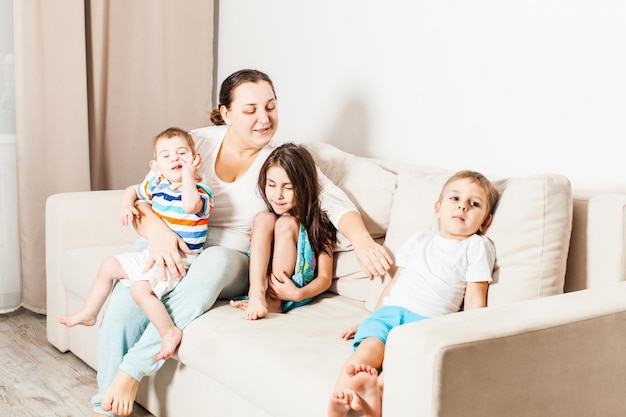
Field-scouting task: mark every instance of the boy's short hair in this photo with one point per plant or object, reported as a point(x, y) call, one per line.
point(173, 132)
point(476, 177)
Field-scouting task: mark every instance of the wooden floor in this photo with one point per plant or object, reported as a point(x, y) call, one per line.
point(36, 380)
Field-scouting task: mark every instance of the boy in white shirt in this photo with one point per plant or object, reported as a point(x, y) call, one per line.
point(437, 272)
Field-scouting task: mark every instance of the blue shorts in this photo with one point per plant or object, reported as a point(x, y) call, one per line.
point(381, 321)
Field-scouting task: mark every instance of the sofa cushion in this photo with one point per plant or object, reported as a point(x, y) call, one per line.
point(302, 349)
point(530, 230)
point(369, 186)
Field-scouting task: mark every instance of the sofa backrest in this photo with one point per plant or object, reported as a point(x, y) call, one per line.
point(531, 227)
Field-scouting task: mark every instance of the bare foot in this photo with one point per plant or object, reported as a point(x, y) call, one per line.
point(339, 403)
point(254, 308)
point(169, 343)
point(240, 304)
point(119, 398)
point(79, 317)
point(364, 384)
point(98, 415)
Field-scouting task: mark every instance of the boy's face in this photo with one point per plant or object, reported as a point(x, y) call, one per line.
point(462, 210)
point(170, 155)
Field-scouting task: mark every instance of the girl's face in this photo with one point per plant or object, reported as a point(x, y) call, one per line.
point(279, 190)
point(253, 115)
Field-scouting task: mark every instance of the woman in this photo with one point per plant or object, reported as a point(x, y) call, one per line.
point(234, 151)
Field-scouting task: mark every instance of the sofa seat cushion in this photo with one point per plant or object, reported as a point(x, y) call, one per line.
point(259, 358)
point(79, 267)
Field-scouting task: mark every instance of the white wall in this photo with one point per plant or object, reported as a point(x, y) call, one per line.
point(506, 88)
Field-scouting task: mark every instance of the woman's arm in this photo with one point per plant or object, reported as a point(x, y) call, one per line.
point(164, 245)
point(373, 258)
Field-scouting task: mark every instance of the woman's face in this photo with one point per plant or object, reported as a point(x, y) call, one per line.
point(253, 114)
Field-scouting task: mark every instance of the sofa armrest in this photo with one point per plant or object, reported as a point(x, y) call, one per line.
point(74, 221)
point(559, 355)
point(606, 239)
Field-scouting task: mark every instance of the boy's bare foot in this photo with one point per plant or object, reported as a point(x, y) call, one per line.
point(78, 318)
point(340, 403)
point(169, 343)
point(364, 384)
point(119, 398)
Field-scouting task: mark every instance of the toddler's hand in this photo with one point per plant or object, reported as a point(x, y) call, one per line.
point(190, 168)
point(128, 215)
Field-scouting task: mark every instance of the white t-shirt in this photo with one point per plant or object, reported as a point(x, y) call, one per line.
point(436, 271)
point(236, 204)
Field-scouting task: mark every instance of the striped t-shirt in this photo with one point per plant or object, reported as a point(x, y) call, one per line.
point(166, 201)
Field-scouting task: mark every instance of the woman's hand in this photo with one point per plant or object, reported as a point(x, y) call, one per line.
point(164, 246)
point(164, 252)
point(349, 332)
point(373, 258)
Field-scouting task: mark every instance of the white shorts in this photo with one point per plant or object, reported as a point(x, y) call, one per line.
point(134, 263)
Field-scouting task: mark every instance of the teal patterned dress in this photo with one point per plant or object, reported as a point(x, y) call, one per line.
point(306, 268)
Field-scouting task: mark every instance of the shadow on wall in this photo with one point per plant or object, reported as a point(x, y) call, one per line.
point(351, 132)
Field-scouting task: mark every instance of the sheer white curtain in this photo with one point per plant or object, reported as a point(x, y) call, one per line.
point(10, 276)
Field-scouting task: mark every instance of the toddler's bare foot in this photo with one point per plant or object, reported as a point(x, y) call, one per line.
point(119, 398)
point(169, 343)
point(364, 383)
point(79, 317)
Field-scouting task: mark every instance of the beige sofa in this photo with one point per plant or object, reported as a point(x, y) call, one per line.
point(532, 352)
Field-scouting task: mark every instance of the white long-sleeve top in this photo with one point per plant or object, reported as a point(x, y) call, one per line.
point(236, 204)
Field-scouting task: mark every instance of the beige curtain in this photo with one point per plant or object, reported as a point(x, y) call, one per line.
point(95, 81)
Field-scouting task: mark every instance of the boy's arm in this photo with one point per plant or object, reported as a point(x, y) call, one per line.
point(128, 212)
point(192, 203)
point(385, 291)
point(191, 200)
point(476, 295)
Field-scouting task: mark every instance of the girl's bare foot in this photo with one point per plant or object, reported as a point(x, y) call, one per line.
point(169, 343)
point(364, 384)
point(256, 308)
point(79, 317)
point(252, 307)
point(119, 398)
